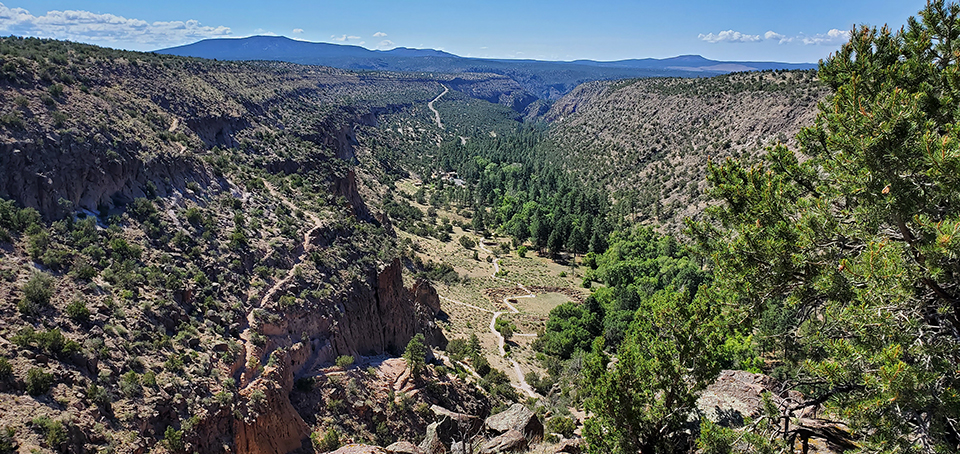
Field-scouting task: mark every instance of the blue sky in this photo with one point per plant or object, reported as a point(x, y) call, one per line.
point(786, 30)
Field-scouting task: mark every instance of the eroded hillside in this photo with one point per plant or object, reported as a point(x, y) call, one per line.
point(185, 244)
point(649, 140)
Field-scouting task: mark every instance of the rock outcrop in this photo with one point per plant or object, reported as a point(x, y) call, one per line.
point(62, 173)
point(387, 319)
point(360, 449)
point(466, 424)
point(519, 418)
point(432, 444)
point(404, 447)
point(271, 425)
point(736, 395)
point(509, 441)
point(574, 446)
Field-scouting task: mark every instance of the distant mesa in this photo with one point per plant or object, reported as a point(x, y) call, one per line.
point(544, 79)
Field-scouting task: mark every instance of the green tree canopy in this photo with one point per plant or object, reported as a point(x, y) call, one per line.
point(855, 236)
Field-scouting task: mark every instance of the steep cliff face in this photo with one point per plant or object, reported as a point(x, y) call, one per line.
point(394, 317)
point(270, 424)
point(61, 173)
point(371, 319)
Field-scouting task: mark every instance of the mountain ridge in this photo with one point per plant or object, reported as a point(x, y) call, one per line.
point(544, 79)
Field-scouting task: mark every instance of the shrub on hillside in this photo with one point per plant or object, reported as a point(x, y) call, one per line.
point(36, 294)
point(38, 382)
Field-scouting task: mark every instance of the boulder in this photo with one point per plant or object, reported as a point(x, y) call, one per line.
point(736, 395)
point(458, 448)
point(431, 443)
point(404, 447)
point(462, 424)
point(510, 441)
point(571, 446)
point(519, 418)
point(360, 449)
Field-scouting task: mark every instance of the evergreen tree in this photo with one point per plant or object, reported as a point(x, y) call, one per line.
point(856, 235)
point(477, 222)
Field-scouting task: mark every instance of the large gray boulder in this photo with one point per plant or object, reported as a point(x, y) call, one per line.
point(404, 447)
point(519, 418)
point(460, 424)
point(432, 444)
point(511, 441)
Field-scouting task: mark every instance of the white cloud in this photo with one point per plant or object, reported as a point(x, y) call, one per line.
point(86, 26)
point(830, 38)
point(385, 44)
point(343, 38)
point(379, 35)
point(729, 36)
point(297, 31)
point(772, 35)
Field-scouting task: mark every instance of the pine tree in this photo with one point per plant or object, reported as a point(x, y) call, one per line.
point(855, 238)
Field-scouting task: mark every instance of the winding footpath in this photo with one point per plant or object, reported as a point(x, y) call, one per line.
point(524, 386)
point(302, 251)
point(435, 112)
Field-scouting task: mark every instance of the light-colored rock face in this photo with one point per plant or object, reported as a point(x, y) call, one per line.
point(431, 443)
point(360, 449)
point(404, 447)
point(735, 395)
point(510, 441)
point(519, 418)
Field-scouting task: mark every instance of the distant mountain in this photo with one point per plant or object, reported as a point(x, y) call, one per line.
point(282, 48)
point(697, 63)
point(544, 79)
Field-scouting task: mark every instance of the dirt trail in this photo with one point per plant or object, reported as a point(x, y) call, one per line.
point(501, 342)
point(302, 251)
point(435, 112)
point(524, 386)
point(173, 127)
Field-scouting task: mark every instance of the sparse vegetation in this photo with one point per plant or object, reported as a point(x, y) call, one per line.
point(344, 361)
point(328, 440)
point(36, 294)
point(38, 381)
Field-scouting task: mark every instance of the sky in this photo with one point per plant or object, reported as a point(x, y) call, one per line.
point(743, 30)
